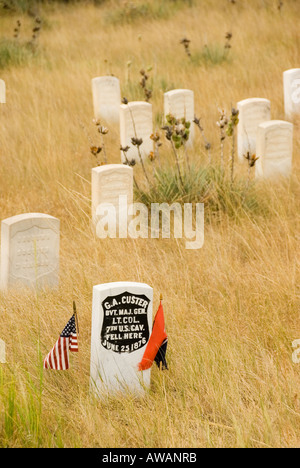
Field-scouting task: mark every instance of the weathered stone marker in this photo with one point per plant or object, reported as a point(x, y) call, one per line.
point(274, 149)
point(2, 92)
point(252, 112)
point(121, 327)
point(2, 352)
point(180, 103)
point(106, 98)
point(30, 251)
point(291, 91)
point(136, 122)
point(109, 183)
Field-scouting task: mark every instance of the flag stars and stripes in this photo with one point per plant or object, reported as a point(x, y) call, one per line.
point(58, 357)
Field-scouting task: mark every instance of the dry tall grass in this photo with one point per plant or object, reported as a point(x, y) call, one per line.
point(231, 308)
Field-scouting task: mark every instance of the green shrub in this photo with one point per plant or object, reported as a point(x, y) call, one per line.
point(210, 55)
point(214, 54)
point(152, 9)
point(123, 13)
point(31, 5)
point(209, 185)
point(17, 5)
point(14, 53)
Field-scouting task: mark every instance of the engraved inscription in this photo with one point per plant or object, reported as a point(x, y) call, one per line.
point(137, 123)
point(181, 105)
point(109, 92)
point(295, 86)
point(252, 112)
point(106, 97)
point(278, 145)
point(33, 253)
point(113, 185)
point(139, 119)
point(253, 115)
point(275, 145)
point(125, 323)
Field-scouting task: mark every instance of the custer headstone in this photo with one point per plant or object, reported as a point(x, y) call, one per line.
point(274, 149)
point(106, 98)
point(252, 112)
point(30, 251)
point(180, 104)
point(136, 122)
point(2, 92)
point(291, 91)
point(121, 328)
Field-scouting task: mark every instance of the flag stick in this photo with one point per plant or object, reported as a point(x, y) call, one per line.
point(76, 316)
point(77, 328)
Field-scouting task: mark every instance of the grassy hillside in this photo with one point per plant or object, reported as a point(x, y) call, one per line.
point(232, 307)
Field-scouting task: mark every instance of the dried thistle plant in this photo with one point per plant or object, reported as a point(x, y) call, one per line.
point(17, 29)
point(180, 130)
point(128, 66)
point(207, 145)
point(108, 69)
point(96, 149)
point(177, 131)
point(152, 159)
point(228, 37)
point(129, 162)
point(36, 32)
point(154, 156)
point(186, 44)
point(143, 84)
point(227, 45)
point(251, 159)
point(222, 124)
point(157, 144)
point(103, 131)
point(233, 121)
point(136, 141)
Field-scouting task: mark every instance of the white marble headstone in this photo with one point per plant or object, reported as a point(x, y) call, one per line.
point(252, 112)
point(180, 103)
point(2, 92)
point(30, 251)
point(274, 149)
point(106, 98)
point(112, 184)
point(121, 328)
point(291, 91)
point(2, 352)
point(136, 121)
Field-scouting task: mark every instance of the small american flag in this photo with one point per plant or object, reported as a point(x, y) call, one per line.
point(58, 358)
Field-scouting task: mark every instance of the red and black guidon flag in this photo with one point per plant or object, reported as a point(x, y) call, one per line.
point(157, 345)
